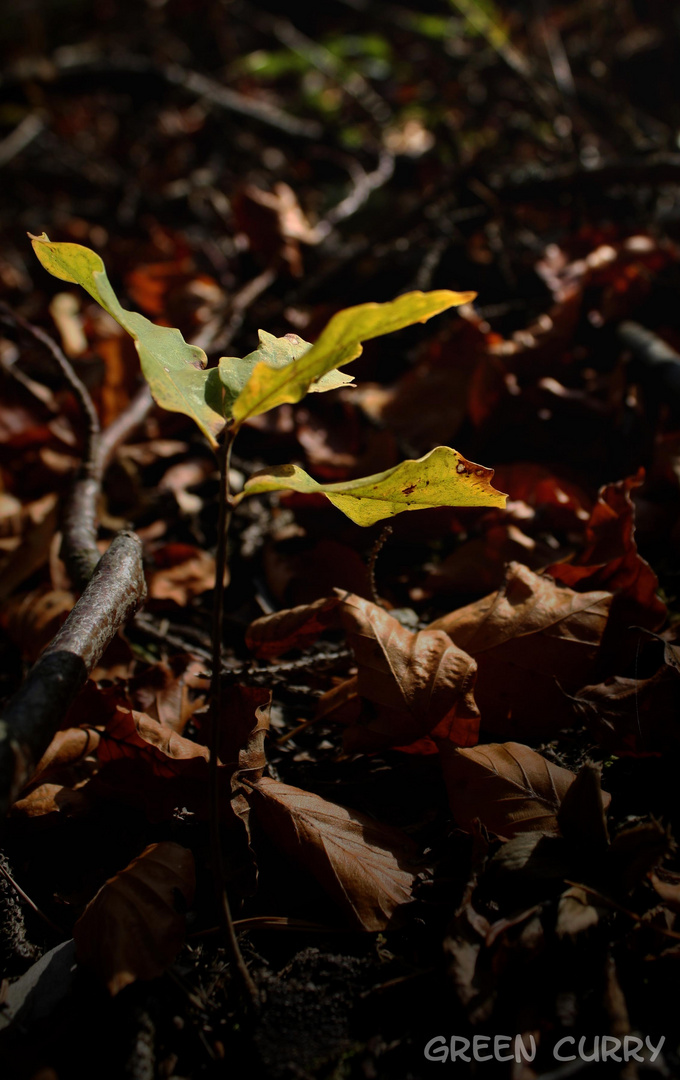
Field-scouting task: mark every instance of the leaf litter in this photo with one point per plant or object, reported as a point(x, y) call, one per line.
point(460, 743)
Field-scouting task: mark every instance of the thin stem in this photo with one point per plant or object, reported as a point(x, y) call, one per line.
point(217, 858)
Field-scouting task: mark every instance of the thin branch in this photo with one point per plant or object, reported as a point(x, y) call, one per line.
point(115, 591)
point(216, 718)
point(22, 136)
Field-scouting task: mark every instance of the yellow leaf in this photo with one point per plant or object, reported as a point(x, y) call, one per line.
point(339, 343)
point(172, 368)
point(441, 478)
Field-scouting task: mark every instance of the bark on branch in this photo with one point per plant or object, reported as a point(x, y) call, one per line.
point(31, 718)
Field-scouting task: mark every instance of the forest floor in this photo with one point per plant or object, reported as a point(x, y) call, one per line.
point(506, 862)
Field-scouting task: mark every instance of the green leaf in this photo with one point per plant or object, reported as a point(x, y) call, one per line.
point(339, 343)
point(277, 353)
point(172, 368)
point(441, 478)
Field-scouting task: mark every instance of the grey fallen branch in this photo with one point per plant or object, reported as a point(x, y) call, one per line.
point(31, 718)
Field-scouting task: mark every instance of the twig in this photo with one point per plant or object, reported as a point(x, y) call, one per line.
point(113, 594)
point(364, 186)
point(31, 903)
point(78, 58)
point(216, 705)
point(23, 134)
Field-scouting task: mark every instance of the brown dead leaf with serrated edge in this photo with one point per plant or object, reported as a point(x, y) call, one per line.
point(132, 929)
point(532, 640)
point(610, 559)
point(368, 869)
point(507, 786)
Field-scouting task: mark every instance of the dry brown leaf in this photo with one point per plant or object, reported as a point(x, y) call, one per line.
point(633, 715)
point(32, 619)
point(421, 683)
point(132, 929)
point(367, 868)
point(183, 572)
point(52, 798)
point(509, 787)
point(296, 628)
point(527, 638)
point(576, 912)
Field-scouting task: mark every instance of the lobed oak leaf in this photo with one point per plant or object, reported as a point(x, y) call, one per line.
point(527, 638)
point(132, 929)
point(174, 369)
point(368, 869)
point(509, 787)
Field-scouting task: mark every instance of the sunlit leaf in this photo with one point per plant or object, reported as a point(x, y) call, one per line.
point(173, 369)
point(339, 343)
point(277, 353)
point(441, 478)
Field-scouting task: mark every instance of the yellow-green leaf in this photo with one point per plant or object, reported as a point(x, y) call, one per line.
point(441, 478)
point(277, 353)
point(172, 368)
point(339, 343)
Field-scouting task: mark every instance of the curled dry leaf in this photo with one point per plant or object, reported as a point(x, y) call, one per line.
point(632, 715)
point(145, 763)
point(611, 560)
point(183, 572)
point(527, 638)
point(421, 683)
point(367, 868)
point(132, 929)
point(509, 787)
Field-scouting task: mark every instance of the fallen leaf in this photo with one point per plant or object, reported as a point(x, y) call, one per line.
point(576, 912)
point(632, 715)
point(527, 638)
point(276, 634)
point(182, 572)
point(132, 929)
point(581, 816)
point(368, 869)
point(610, 559)
point(421, 683)
point(509, 787)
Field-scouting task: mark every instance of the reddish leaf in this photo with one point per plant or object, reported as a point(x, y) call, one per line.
point(182, 573)
point(132, 929)
point(611, 559)
point(296, 628)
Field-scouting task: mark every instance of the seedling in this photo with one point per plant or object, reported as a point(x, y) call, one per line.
point(221, 399)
